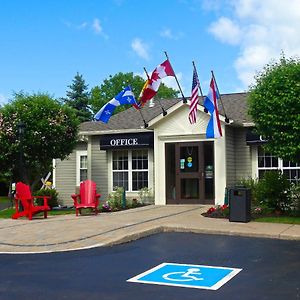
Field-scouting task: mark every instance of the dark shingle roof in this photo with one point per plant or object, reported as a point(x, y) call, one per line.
point(235, 106)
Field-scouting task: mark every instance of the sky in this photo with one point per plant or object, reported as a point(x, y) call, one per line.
point(43, 44)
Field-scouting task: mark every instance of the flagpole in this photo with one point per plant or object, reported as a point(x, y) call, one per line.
point(145, 123)
point(205, 109)
point(226, 118)
point(184, 99)
point(163, 110)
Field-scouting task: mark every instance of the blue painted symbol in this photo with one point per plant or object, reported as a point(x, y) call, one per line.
point(186, 275)
point(189, 164)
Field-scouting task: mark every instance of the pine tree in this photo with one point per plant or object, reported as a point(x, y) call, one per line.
point(78, 98)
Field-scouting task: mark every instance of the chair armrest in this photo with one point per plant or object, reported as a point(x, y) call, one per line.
point(46, 198)
point(75, 198)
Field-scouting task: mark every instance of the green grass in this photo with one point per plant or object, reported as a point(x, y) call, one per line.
point(4, 199)
point(7, 213)
point(279, 219)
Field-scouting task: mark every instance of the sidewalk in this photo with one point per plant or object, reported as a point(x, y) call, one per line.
point(68, 232)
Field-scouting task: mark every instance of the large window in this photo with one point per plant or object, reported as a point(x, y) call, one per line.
point(267, 162)
point(130, 169)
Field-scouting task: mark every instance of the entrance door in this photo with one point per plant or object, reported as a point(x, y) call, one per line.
point(184, 170)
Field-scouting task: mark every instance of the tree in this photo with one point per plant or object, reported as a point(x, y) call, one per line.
point(115, 84)
point(50, 132)
point(274, 104)
point(78, 98)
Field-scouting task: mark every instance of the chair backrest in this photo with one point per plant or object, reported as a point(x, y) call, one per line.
point(23, 193)
point(87, 192)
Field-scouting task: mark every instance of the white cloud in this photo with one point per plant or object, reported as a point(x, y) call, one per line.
point(82, 25)
point(226, 31)
point(168, 34)
point(262, 30)
point(140, 48)
point(97, 26)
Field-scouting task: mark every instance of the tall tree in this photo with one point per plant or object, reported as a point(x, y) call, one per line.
point(78, 98)
point(111, 86)
point(274, 104)
point(50, 132)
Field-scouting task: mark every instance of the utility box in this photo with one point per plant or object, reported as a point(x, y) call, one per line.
point(239, 204)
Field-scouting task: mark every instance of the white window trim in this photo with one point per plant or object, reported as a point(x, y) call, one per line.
point(280, 165)
point(130, 170)
point(78, 155)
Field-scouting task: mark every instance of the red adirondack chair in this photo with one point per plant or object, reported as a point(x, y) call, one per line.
point(87, 197)
point(23, 195)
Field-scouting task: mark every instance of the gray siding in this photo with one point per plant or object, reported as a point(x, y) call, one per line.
point(99, 172)
point(66, 176)
point(238, 156)
point(243, 155)
point(230, 157)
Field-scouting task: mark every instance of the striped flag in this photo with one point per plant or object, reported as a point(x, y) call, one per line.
point(214, 129)
point(194, 98)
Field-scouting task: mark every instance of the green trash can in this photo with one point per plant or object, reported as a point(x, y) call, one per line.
point(239, 204)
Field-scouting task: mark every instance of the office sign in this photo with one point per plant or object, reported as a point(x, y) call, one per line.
point(127, 141)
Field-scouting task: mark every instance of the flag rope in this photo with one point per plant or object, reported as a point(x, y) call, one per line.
point(226, 118)
point(184, 99)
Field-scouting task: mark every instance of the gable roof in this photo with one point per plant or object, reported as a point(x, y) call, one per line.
point(131, 119)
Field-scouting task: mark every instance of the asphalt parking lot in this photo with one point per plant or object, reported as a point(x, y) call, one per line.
point(270, 269)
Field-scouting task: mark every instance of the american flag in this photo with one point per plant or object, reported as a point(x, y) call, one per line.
point(194, 98)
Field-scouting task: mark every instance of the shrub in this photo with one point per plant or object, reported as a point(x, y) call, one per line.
point(47, 192)
point(115, 198)
point(273, 191)
point(295, 199)
point(146, 195)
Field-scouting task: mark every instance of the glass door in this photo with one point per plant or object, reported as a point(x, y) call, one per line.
point(189, 173)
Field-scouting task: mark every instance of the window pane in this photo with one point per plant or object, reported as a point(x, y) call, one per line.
point(83, 162)
point(139, 159)
point(83, 175)
point(120, 179)
point(139, 180)
point(120, 160)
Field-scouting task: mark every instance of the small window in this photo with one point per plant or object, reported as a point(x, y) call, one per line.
point(81, 166)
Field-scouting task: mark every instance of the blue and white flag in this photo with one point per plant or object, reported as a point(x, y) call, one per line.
point(213, 129)
point(124, 97)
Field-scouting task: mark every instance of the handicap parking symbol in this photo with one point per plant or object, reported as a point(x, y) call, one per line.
point(187, 275)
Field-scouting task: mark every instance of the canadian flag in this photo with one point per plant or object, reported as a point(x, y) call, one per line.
point(152, 85)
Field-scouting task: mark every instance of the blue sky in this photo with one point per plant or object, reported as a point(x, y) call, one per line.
point(44, 43)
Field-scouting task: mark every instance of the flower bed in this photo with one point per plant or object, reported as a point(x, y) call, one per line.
point(218, 211)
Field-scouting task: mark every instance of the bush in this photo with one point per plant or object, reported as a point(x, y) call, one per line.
point(115, 198)
point(295, 199)
point(146, 195)
point(273, 191)
point(47, 192)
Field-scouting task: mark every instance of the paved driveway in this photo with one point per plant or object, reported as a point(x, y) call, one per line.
point(271, 269)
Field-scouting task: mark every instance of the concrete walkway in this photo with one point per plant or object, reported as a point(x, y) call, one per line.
point(68, 232)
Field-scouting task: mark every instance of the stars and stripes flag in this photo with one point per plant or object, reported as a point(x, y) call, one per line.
point(124, 97)
point(213, 129)
point(194, 97)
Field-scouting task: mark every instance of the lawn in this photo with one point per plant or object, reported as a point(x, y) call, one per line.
point(7, 213)
point(279, 219)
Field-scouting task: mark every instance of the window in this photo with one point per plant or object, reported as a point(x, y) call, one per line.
point(130, 169)
point(267, 162)
point(81, 166)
